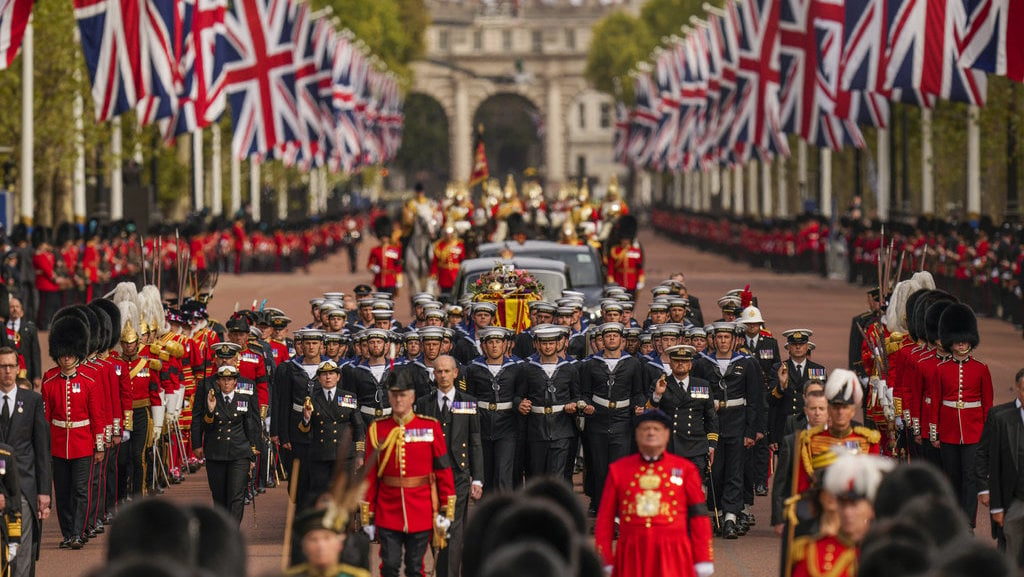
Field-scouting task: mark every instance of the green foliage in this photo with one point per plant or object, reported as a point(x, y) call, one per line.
point(665, 18)
point(620, 41)
point(392, 29)
point(424, 152)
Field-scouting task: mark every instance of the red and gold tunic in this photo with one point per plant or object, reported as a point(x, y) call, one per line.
point(387, 257)
point(626, 265)
point(448, 255)
point(824, 556)
point(814, 450)
point(399, 491)
point(664, 528)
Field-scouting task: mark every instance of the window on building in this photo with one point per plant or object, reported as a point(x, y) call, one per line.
point(478, 40)
point(538, 41)
point(570, 38)
point(443, 40)
point(606, 115)
point(582, 112)
point(506, 40)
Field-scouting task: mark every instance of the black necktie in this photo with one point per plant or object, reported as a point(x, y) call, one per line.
point(5, 417)
point(330, 397)
point(227, 400)
point(446, 413)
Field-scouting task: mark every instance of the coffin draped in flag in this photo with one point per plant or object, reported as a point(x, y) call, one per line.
point(756, 126)
point(202, 99)
point(923, 53)
point(994, 40)
point(112, 43)
point(259, 73)
point(14, 16)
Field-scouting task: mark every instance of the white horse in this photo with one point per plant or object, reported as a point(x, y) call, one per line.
point(419, 253)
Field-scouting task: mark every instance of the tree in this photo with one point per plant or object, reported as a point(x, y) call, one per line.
point(665, 18)
point(619, 42)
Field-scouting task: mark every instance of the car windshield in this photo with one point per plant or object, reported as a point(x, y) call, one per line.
point(553, 282)
point(583, 270)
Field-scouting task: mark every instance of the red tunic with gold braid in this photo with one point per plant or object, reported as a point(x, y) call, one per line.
point(448, 255)
point(814, 451)
point(387, 256)
point(409, 453)
point(824, 556)
point(876, 335)
point(626, 265)
point(664, 528)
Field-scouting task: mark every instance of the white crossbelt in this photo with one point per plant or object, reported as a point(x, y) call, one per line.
point(494, 406)
point(962, 405)
point(547, 410)
point(375, 412)
point(734, 403)
point(611, 404)
point(69, 424)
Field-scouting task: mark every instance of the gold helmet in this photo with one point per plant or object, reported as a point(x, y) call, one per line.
point(584, 192)
point(128, 334)
point(510, 191)
point(613, 194)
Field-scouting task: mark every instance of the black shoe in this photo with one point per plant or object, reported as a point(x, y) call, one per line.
point(98, 528)
point(77, 543)
point(729, 530)
point(747, 519)
point(65, 544)
point(761, 490)
point(261, 490)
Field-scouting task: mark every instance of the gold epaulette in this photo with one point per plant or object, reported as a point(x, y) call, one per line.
point(894, 342)
point(155, 364)
point(175, 349)
point(798, 551)
point(872, 435)
point(3, 452)
point(297, 569)
point(712, 436)
point(427, 418)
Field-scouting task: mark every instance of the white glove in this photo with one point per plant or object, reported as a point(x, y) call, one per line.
point(442, 522)
point(157, 414)
point(704, 568)
point(12, 550)
point(640, 285)
point(371, 531)
point(899, 423)
point(125, 436)
point(375, 269)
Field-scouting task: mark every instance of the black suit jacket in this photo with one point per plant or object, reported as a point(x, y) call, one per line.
point(29, 435)
point(463, 437)
point(983, 452)
point(231, 432)
point(784, 402)
point(28, 346)
point(1006, 465)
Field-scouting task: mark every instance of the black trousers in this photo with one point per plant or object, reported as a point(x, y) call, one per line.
point(97, 491)
point(320, 473)
point(606, 444)
point(112, 476)
point(755, 470)
point(727, 474)
point(137, 451)
point(449, 559)
point(70, 488)
point(958, 464)
point(547, 458)
point(499, 463)
point(391, 554)
point(227, 484)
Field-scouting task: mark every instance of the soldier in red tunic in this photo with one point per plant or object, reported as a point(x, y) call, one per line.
point(385, 259)
point(659, 500)
point(853, 480)
point(962, 399)
point(449, 252)
point(72, 403)
point(626, 259)
point(412, 462)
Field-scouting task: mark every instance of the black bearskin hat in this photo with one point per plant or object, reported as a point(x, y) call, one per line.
point(115, 321)
point(931, 320)
point(627, 226)
point(40, 235)
point(958, 325)
point(105, 328)
point(69, 337)
point(382, 227)
point(516, 224)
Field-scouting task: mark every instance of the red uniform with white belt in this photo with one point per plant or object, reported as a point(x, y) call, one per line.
point(399, 491)
point(664, 528)
point(73, 407)
point(386, 264)
point(626, 265)
point(962, 402)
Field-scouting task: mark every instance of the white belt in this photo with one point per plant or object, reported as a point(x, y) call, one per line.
point(962, 405)
point(297, 408)
point(69, 424)
point(494, 406)
point(732, 403)
point(611, 404)
point(375, 412)
point(547, 410)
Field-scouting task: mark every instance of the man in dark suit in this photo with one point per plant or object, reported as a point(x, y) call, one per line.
point(26, 430)
point(1006, 471)
point(787, 381)
point(460, 424)
point(26, 342)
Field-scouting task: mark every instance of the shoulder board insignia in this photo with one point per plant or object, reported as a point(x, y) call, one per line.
point(427, 418)
point(155, 364)
point(3, 452)
point(815, 431)
point(872, 435)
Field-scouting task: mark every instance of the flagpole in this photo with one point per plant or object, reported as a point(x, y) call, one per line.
point(216, 172)
point(78, 174)
point(236, 185)
point(28, 184)
point(116, 173)
point(783, 207)
point(198, 195)
point(254, 189)
point(737, 190)
point(825, 169)
point(801, 172)
point(313, 193)
point(766, 190)
point(752, 187)
point(723, 175)
point(927, 176)
point(883, 173)
point(973, 163)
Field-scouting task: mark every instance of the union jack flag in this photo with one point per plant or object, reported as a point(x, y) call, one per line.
point(112, 42)
point(310, 142)
point(646, 117)
point(692, 101)
point(201, 100)
point(994, 41)
point(667, 81)
point(924, 53)
point(862, 63)
point(344, 78)
point(14, 16)
point(622, 124)
point(163, 29)
point(728, 41)
point(756, 127)
point(708, 122)
point(259, 72)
